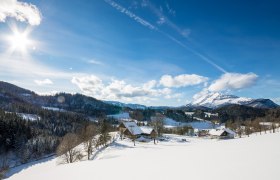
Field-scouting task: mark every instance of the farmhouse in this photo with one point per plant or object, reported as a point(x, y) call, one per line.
point(221, 133)
point(130, 128)
point(148, 131)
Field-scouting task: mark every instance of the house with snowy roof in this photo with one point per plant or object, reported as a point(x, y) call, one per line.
point(130, 128)
point(221, 133)
point(148, 131)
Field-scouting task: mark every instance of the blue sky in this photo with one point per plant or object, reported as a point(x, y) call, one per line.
point(143, 51)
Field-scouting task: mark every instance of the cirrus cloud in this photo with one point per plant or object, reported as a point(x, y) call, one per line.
point(21, 11)
point(233, 81)
point(182, 80)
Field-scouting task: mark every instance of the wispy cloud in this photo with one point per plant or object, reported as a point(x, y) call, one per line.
point(162, 19)
point(21, 11)
point(130, 14)
point(149, 25)
point(169, 9)
point(93, 61)
point(43, 82)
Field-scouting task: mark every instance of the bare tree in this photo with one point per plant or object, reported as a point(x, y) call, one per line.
point(154, 136)
point(66, 149)
point(257, 125)
point(87, 136)
point(248, 128)
point(122, 133)
point(238, 127)
point(158, 123)
point(132, 136)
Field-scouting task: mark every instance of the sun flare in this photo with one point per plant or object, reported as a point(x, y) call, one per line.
point(19, 41)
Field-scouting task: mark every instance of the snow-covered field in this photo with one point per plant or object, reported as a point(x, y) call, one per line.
point(253, 158)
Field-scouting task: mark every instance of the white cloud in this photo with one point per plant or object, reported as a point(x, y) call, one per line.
point(119, 89)
point(93, 61)
point(21, 11)
point(43, 82)
point(150, 84)
point(171, 96)
point(233, 81)
point(182, 80)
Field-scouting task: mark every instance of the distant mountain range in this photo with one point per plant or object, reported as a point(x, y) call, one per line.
point(216, 100)
point(11, 94)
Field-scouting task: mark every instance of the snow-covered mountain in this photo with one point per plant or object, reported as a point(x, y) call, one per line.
point(215, 100)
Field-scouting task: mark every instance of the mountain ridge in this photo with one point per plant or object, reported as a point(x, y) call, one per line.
point(215, 100)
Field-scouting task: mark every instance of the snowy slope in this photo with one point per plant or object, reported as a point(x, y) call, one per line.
point(254, 158)
point(30, 117)
point(215, 99)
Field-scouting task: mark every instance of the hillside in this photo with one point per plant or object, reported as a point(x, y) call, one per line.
point(11, 95)
point(256, 158)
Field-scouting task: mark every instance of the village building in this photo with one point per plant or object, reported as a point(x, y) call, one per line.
point(131, 129)
point(148, 132)
point(221, 133)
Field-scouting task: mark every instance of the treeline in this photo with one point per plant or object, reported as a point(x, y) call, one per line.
point(33, 139)
point(147, 114)
point(178, 115)
point(142, 114)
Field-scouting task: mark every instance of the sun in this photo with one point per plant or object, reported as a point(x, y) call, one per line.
point(19, 41)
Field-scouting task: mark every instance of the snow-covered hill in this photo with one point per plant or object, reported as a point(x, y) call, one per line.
point(254, 158)
point(120, 104)
point(215, 99)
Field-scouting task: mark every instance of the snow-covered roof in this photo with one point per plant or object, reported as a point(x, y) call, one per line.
point(219, 132)
point(132, 127)
point(146, 129)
